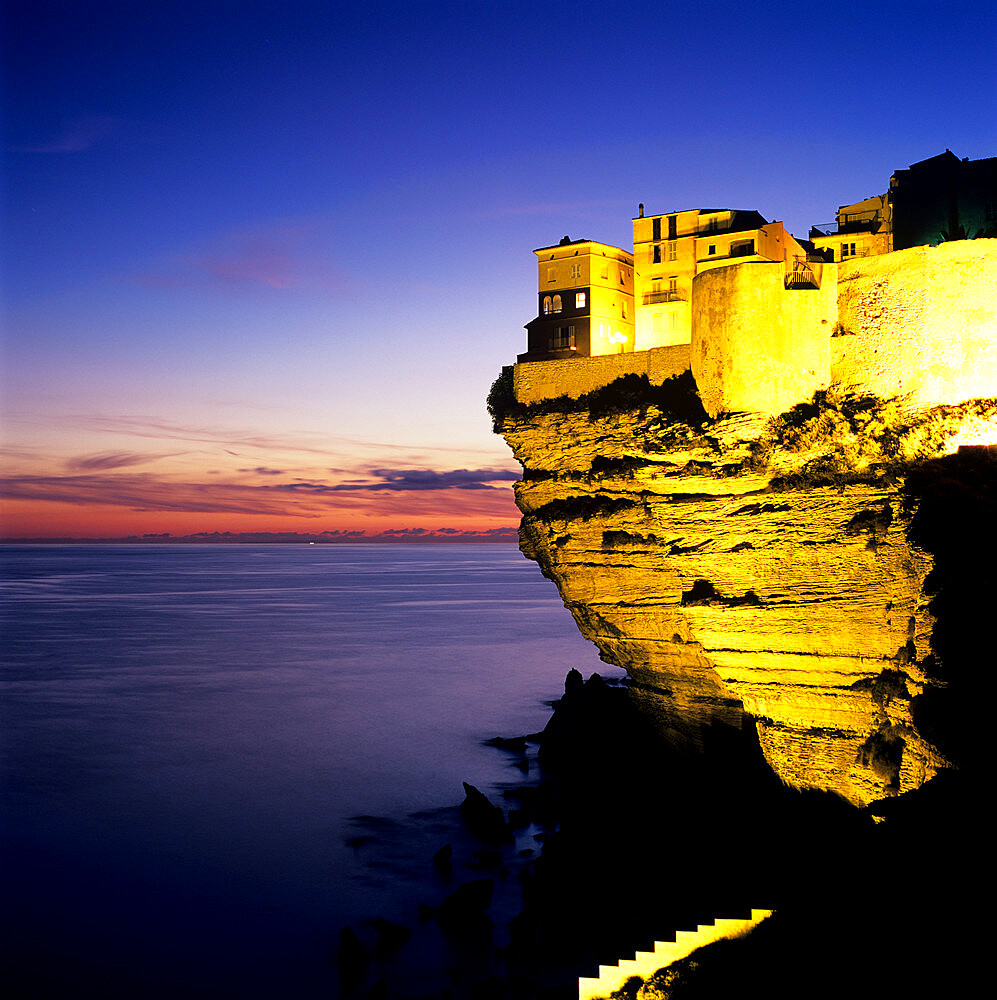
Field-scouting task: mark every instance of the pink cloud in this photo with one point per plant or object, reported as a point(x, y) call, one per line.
point(275, 255)
point(145, 492)
point(76, 137)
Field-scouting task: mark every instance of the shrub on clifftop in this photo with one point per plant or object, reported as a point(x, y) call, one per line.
point(676, 397)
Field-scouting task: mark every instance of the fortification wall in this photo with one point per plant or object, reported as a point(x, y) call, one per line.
point(757, 346)
point(919, 323)
point(537, 380)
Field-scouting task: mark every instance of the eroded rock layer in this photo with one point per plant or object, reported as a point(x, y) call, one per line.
point(753, 567)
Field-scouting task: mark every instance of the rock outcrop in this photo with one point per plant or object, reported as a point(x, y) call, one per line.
point(750, 569)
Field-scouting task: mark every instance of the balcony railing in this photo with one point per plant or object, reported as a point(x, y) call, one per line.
point(668, 295)
point(804, 272)
point(846, 225)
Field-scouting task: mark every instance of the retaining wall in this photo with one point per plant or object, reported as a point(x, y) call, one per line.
point(536, 380)
point(919, 323)
point(757, 346)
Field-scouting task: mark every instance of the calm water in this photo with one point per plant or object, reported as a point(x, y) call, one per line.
point(192, 735)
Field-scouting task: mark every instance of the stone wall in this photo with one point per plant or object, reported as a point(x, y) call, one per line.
point(756, 346)
point(537, 380)
point(919, 323)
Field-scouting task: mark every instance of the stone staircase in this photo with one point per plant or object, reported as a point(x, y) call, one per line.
point(646, 963)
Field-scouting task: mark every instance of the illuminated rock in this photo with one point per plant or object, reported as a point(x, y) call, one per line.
point(753, 567)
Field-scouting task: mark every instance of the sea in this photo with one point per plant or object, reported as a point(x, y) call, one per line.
point(216, 757)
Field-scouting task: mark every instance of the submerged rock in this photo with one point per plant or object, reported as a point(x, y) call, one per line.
point(484, 820)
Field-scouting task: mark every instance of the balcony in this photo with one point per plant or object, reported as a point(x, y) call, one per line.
point(849, 224)
point(804, 272)
point(668, 295)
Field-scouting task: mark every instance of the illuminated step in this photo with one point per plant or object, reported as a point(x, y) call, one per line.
point(646, 963)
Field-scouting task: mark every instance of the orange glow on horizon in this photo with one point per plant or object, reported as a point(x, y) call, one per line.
point(33, 519)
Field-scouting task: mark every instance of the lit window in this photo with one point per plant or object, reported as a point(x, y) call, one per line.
point(557, 303)
point(580, 300)
point(546, 305)
point(672, 250)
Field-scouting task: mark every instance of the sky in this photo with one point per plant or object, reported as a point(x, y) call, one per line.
point(260, 262)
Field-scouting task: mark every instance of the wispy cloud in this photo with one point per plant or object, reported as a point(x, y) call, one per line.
point(279, 255)
point(147, 492)
point(407, 480)
point(233, 440)
point(109, 460)
point(76, 136)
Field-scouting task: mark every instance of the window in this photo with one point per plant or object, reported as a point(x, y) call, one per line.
point(673, 289)
point(550, 274)
point(672, 250)
point(604, 273)
point(563, 338)
point(546, 305)
point(576, 271)
point(656, 229)
point(623, 276)
point(673, 225)
point(847, 250)
point(742, 248)
point(713, 248)
point(557, 303)
point(580, 300)
point(657, 254)
point(712, 225)
point(623, 308)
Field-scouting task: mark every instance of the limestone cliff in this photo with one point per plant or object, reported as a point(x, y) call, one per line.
point(751, 569)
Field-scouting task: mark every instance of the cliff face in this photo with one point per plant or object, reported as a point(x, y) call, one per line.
point(753, 570)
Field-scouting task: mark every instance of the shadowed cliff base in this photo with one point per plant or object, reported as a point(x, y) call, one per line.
point(953, 505)
point(635, 840)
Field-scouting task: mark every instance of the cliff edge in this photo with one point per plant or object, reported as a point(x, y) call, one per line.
point(751, 569)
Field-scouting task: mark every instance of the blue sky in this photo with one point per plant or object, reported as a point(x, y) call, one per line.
point(296, 236)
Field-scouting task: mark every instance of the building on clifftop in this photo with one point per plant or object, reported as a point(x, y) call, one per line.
point(933, 201)
point(671, 249)
point(585, 302)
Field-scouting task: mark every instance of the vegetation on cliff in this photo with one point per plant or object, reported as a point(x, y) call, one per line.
point(677, 397)
point(836, 439)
